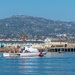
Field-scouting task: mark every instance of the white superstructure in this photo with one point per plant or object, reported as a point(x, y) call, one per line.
point(25, 51)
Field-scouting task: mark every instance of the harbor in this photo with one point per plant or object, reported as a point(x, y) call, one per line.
point(47, 45)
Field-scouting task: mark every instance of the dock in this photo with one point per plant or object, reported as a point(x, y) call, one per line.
point(58, 49)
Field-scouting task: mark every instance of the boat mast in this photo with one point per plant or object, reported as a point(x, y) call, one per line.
point(23, 38)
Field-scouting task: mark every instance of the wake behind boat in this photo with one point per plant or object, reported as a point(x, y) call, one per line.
point(25, 51)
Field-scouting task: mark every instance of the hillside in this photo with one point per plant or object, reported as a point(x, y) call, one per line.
point(33, 26)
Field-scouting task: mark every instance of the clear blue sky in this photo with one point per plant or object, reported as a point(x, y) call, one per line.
point(51, 9)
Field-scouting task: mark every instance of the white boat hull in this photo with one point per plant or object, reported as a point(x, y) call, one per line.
point(10, 54)
point(23, 54)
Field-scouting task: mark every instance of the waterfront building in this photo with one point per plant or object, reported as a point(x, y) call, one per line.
point(35, 44)
point(51, 44)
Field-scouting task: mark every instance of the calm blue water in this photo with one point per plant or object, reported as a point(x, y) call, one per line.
point(51, 64)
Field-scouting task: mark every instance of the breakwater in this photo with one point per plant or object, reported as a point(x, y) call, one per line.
point(9, 49)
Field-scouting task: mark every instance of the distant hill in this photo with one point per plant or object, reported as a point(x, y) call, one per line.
point(33, 26)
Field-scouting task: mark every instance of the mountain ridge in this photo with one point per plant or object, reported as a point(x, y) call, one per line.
point(33, 26)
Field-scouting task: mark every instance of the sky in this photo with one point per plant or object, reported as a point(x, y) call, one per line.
point(63, 10)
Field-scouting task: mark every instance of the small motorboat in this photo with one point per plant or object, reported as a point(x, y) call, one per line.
point(25, 51)
point(61, 51)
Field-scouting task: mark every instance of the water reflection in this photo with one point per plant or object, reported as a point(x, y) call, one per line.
point(52, 64)
point(33, 66)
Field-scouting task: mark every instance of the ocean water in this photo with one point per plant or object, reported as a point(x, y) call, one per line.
point(51, 64)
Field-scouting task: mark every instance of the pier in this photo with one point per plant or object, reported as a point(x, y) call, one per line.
point(56, 49)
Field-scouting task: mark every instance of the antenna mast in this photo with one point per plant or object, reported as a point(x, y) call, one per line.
point(23, 38)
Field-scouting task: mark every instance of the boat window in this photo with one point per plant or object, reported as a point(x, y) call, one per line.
point(23, 48)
